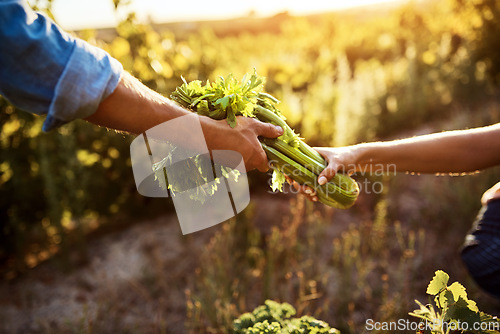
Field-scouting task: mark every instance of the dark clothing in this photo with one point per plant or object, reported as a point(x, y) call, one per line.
point(481, 252)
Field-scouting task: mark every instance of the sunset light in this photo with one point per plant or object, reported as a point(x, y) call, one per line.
point(237, 167)
point(74, 14)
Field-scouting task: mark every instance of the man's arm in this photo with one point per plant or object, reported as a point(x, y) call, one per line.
point(45, 70)
point(134, 108)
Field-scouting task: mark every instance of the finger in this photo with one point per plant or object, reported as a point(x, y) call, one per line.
point(327, 173)
point(309, 191)
point(491, 194)
point(310, 197)
point(268, 130)
point(261, 162)
point(303, 189)
point(263, 168)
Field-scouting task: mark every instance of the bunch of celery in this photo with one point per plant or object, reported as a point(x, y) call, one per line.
point(289, 155)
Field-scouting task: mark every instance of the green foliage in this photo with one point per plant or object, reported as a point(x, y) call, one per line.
point(55, 181)
point(320, 260)
point(225, 98)
point(438, 283)
point(288, 154)
point(341, 79)
point(453, 310)
point(276, 318)
point(485, 20)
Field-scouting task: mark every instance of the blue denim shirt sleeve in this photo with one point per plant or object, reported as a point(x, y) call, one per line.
point(44, 70)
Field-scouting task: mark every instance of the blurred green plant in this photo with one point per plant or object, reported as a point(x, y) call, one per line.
point(276, 318)
point(484, 18)
point(453, 311)
point(341, 79)
point(299, 262)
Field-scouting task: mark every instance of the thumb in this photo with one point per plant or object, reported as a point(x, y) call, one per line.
point(327, 173)
point(268, 130)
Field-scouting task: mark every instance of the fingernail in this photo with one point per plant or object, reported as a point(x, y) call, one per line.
point(315, 199)
point(279, 129)
point(308, 191)
point(322, 180)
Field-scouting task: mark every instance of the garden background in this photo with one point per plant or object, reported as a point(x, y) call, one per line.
point(82, 252)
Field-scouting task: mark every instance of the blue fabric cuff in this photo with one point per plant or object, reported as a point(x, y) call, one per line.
point(90, 76)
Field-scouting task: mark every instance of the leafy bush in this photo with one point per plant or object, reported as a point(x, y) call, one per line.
point(453, 310)
point(276, 318)
point(341, 80)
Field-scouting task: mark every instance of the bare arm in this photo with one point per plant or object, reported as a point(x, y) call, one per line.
point(134, 108)
point(446, 152)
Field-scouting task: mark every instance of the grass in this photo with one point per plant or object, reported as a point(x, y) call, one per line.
point(302, 262)
point(343, 267)
point(340, 266)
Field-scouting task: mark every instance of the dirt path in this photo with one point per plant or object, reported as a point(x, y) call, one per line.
point(49, 300)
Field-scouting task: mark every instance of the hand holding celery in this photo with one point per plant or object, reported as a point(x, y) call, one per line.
point(289, 155)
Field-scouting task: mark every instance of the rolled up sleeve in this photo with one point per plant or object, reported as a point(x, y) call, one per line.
point(44, 70)
point(90, 76)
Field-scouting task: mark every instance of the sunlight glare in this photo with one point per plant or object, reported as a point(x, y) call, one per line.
point(76, 14)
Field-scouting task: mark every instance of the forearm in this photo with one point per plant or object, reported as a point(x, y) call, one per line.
point(134, 108)
point(447, 152)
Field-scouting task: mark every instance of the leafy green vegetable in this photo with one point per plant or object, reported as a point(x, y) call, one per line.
point(276, 318)
point(226, 98)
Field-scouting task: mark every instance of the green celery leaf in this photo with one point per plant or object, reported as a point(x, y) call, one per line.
point(224, 102)
point(202, 108)
point(278, 180)
point(231, 118)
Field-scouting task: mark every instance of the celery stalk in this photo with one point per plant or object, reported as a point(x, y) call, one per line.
point(329, 194)
point(343, 181)
point(290, 155)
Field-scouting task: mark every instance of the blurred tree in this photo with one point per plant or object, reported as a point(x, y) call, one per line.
point(484, 16)
point(341, 79)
